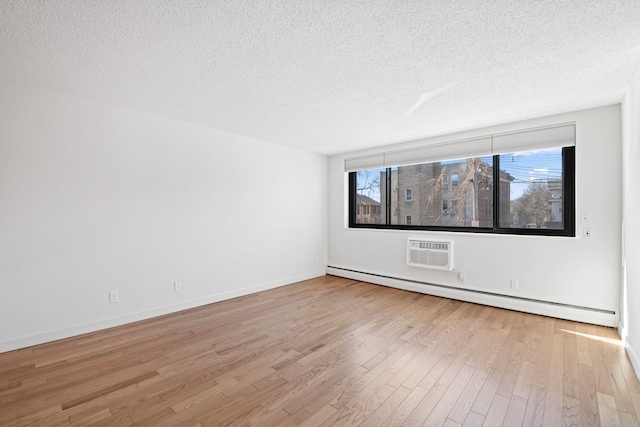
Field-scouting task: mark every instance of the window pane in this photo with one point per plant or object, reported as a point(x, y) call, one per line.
point(455, 193)
point(369, 209)
point(531, 189)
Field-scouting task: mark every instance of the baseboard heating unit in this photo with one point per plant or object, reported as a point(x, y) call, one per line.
point(576, 313)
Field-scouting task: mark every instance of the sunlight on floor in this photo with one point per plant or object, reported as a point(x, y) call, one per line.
point(595, 337)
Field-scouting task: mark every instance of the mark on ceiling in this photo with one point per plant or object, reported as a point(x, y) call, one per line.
point(425, 97)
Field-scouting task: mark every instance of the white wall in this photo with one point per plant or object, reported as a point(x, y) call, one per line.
point(576, 271)
point(630, 328)
point(95, 198)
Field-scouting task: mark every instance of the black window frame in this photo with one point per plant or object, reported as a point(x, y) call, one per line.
point(568, 206)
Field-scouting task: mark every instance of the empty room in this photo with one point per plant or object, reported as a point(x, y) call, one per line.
point(319, 213)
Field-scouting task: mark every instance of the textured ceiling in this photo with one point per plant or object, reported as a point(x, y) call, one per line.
point(327, 75)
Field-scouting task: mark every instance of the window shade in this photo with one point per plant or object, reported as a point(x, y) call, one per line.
point(365, 162)
point(423, 154)
point(435, 153)
point(534, 139)
point(561, 136)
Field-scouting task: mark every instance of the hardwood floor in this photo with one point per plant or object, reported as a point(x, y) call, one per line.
point(327, 352)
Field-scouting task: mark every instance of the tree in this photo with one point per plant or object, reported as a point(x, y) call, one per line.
point(447, 193)
point(533, 206)
point(368, 180)
point(475, 176)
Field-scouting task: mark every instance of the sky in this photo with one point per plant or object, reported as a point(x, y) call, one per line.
point(531, 166)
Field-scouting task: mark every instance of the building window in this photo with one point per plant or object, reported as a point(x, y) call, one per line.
point(454, 207)
point(523, 192)
point(366, 197)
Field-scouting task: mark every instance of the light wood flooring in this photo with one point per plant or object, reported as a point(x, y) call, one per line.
point(327, 352)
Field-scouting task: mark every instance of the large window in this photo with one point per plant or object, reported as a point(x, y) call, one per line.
point(520, 192)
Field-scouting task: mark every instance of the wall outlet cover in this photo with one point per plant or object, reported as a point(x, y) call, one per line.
point(114, 296)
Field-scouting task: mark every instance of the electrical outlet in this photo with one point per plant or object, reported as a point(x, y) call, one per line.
point(460, 276)
point(177, 286)
point(585, 218)
point(114, 296)
point(586, 232)
point(514, 284)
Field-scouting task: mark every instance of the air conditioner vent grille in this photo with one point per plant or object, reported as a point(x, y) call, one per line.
point(436, 254)
point(434, 245)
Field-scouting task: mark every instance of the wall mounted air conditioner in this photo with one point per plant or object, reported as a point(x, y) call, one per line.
point(429, 253)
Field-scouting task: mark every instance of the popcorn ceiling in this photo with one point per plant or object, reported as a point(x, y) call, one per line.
point(327, 76)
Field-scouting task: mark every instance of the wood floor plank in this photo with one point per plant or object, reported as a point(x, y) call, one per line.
point(620, 390)
point(358, 402)
point(629, 374)
point(534, 413)
point(367, 404)
point(464, 403)
point(512, 371)
point(492, 382)
point(543, 360)
point(522, 386)
point(426, 405)
point(93, 418)
point(635, 398)
point(326, 389)
point(497, 411)
point(384, 411)
point(323, 395)
point(626, 419)
point(601, 375)
point(327, 351)
point(402, 412)
point(453, 369)
point(554, 397)
point(570, 411)
point(95, 394)
point(319, 416)
point(473, 420)
point(515, 412)
point(451, 396)
point(608, 410)
point(589, 415)
point(582, 342)
point(571, 376)
point(338, 418)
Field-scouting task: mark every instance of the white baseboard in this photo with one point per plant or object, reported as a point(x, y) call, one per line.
point(622, 331)
point(54, 335)
point(544, 308)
